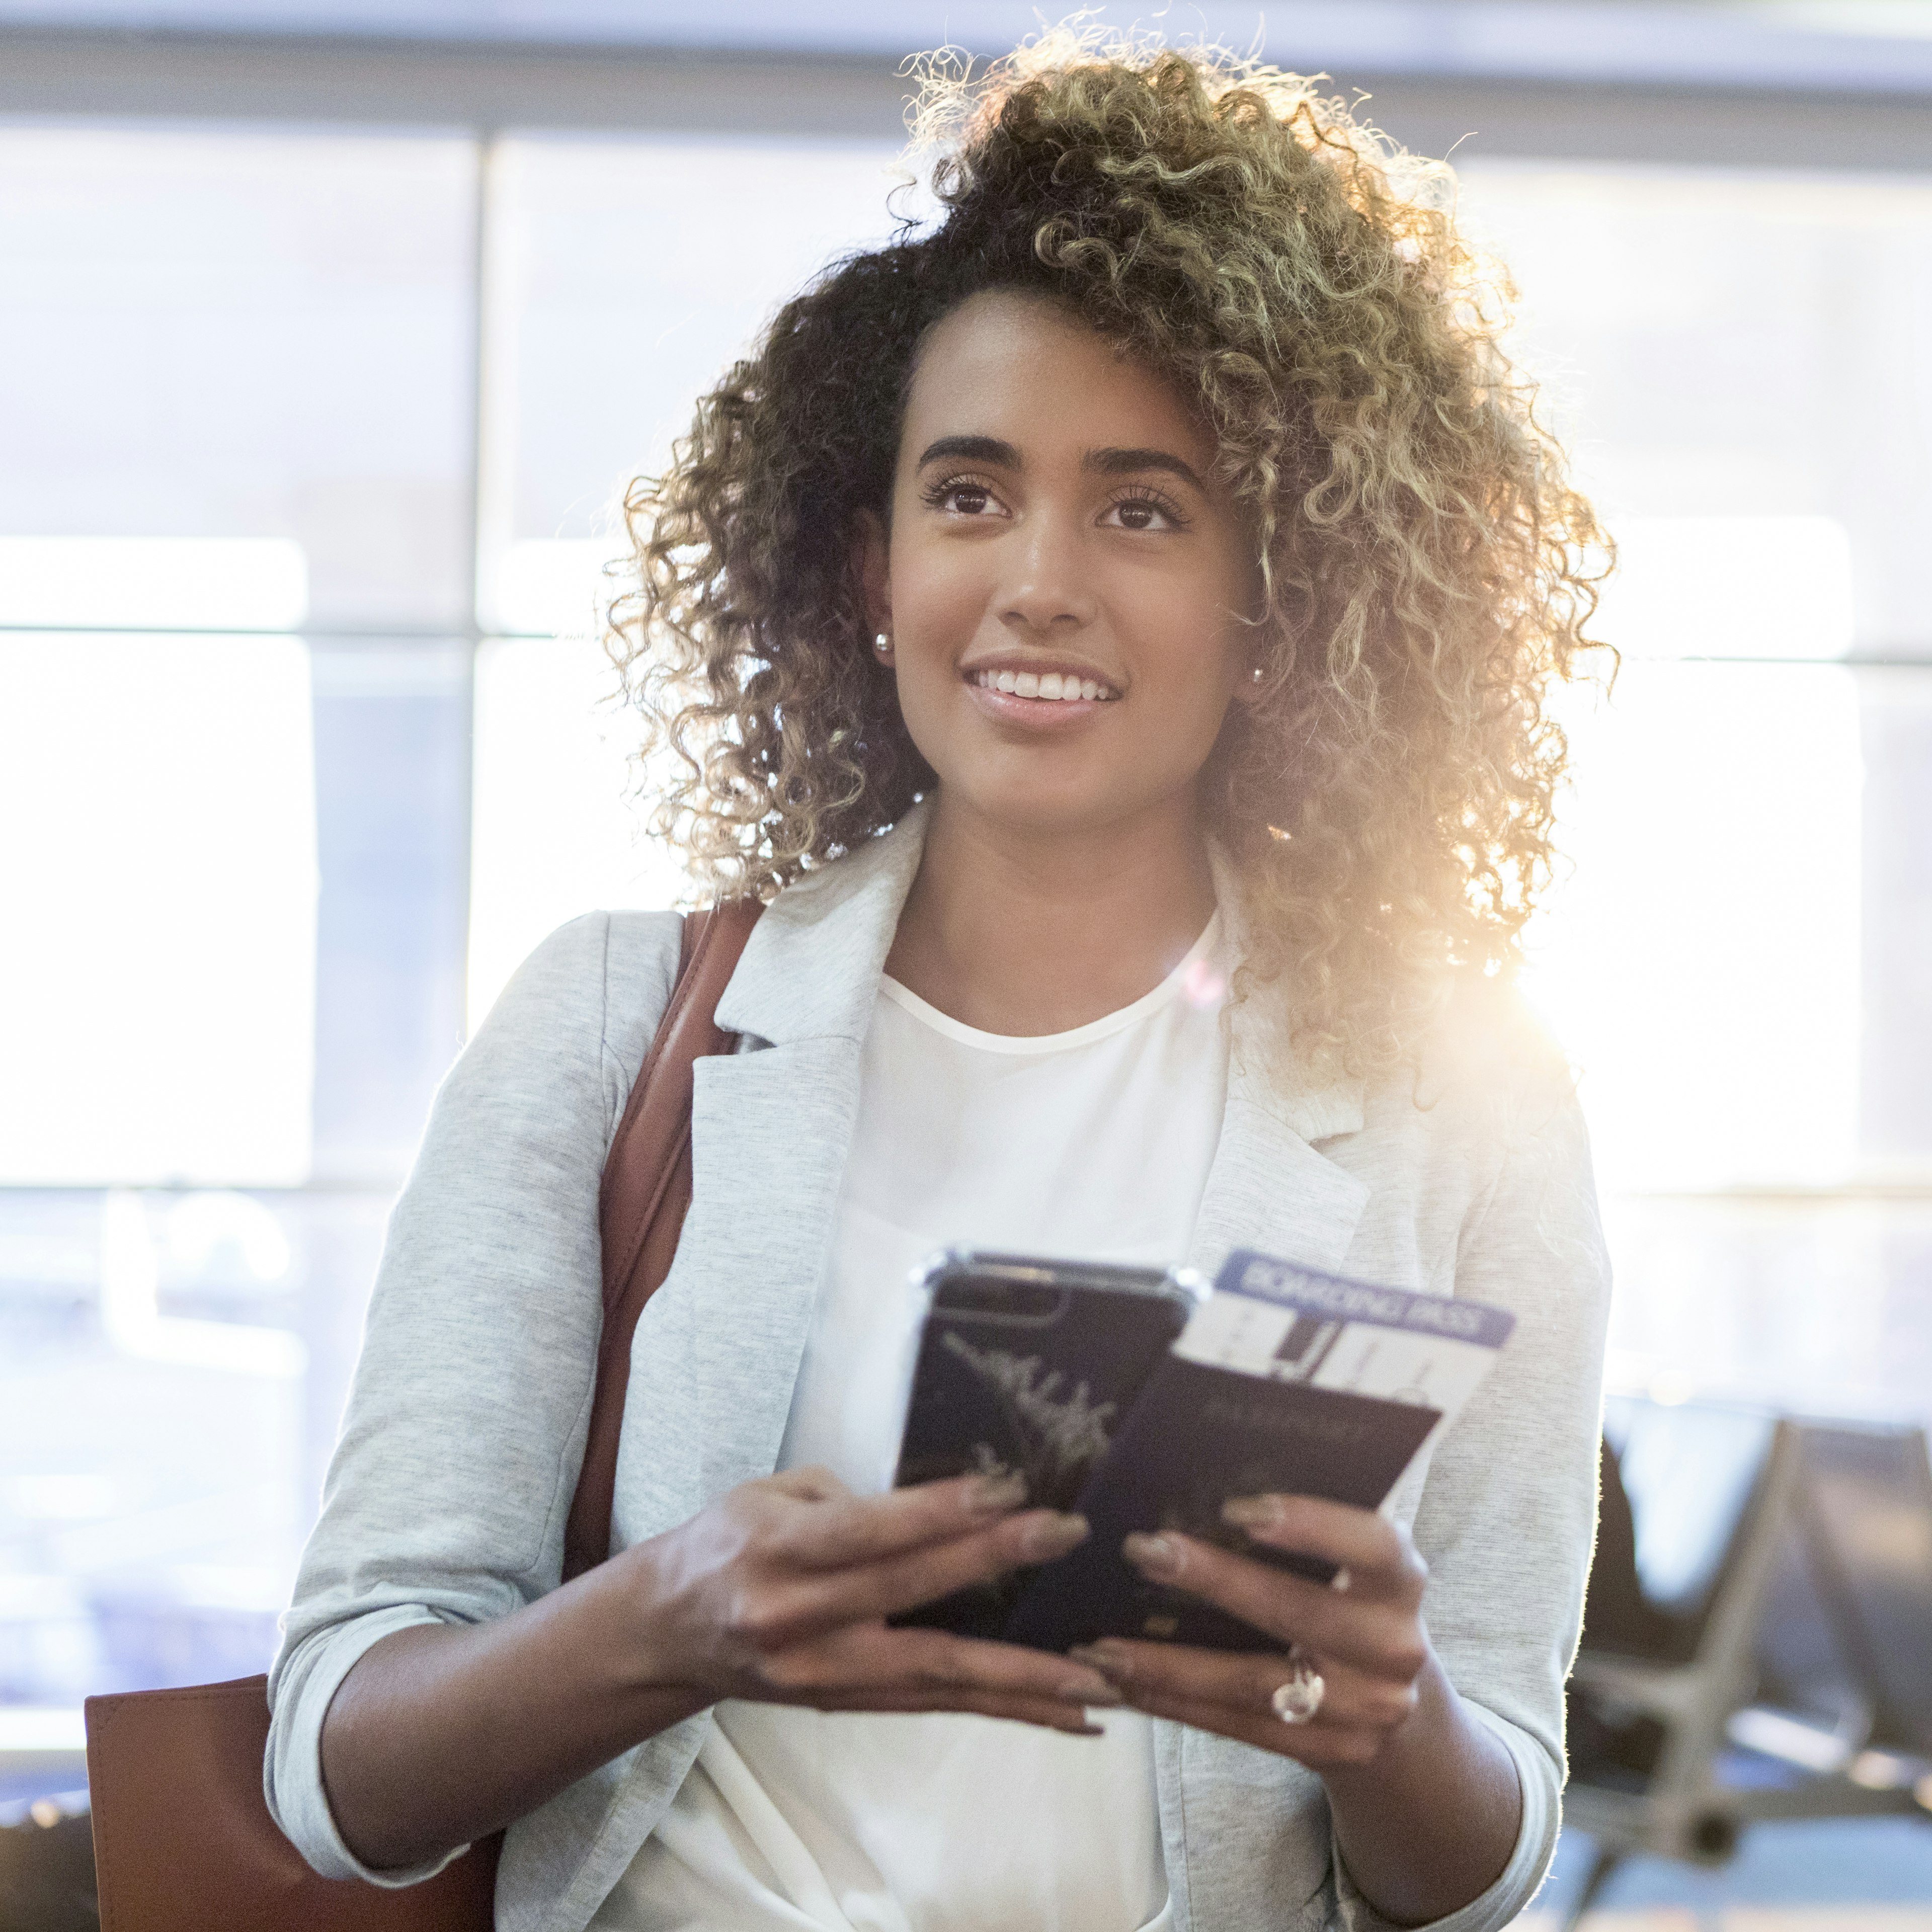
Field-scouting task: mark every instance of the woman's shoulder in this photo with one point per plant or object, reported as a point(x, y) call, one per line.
point(1486, 1067)
point(604, 971)
point(1487, 1032)
point(594, 990)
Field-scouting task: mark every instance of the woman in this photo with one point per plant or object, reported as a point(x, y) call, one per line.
point(1110, 631)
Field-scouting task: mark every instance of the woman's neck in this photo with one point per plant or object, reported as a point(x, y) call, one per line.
point(1020, 931)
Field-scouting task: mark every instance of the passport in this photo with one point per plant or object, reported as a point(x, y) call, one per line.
point(1001, 1390)
point(1196, 1436)
point(1285, 1380)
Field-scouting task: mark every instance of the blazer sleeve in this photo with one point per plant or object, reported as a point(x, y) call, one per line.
point(446, 1497)
point(1507, 1516)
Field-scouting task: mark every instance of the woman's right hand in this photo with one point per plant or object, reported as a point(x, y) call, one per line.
point(778, 1592)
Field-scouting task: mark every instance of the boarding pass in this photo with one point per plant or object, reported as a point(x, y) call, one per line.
point(1269, 1317)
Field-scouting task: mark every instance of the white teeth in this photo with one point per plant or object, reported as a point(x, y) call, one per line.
point(1050, 686)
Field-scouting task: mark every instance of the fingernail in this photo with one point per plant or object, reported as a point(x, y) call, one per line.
point(1156, 1555)
point(1253, 1512)
point(989, 1495)
point(1053, 1536)
point(1108, 1659)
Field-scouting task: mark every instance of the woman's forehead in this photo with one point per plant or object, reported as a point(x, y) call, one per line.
point(1027, 371)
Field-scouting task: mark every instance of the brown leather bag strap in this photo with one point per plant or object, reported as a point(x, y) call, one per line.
point(646, 1192)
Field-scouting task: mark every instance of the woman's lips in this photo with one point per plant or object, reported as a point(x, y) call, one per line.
point(1050, 687)
point(1046, 715)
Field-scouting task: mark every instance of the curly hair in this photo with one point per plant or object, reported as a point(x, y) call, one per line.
point(1426, 570)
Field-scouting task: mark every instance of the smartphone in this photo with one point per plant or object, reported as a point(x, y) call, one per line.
point(1028, 1366)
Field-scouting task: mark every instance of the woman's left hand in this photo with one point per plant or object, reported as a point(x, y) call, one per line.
point(1363, 1632)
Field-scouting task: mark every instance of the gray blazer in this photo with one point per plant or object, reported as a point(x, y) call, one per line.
point(460, 1446)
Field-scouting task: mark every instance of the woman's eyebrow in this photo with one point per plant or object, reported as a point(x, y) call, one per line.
point(973, 449)
point(1125, 462)
point(1108, 462)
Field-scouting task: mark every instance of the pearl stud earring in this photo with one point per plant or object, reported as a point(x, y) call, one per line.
point(883, 643)
point(1260, 673)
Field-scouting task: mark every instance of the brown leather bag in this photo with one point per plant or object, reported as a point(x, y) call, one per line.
point(183, 1841)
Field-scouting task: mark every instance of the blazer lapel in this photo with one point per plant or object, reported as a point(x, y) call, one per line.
point(812, 966)
point(1269, 1187)
point(771, 1130)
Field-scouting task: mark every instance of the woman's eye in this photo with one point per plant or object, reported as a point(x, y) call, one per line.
point(1143, 513)
point(962, 498)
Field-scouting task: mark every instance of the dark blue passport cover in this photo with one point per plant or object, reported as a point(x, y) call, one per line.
point(1196, 1437)
point(1041, 1397)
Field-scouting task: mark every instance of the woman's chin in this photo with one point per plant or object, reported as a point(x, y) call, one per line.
point(1040, 805)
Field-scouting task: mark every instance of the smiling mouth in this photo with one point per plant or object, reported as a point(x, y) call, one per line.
point(1050, 686)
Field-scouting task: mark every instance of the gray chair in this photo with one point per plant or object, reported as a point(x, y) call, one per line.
point(1757, 1640)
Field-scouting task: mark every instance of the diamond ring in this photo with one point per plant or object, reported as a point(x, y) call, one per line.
point(1297, 1700)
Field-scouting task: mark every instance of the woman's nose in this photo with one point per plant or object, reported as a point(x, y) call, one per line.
point(1050, 587)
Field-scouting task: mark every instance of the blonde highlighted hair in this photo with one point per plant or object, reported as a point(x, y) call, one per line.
point(1427, 569)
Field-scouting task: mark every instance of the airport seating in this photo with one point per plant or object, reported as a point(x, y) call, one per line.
point(1757, 1638)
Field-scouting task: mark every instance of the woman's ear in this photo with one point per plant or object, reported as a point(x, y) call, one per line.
point(1257, 643)
point(871, 564)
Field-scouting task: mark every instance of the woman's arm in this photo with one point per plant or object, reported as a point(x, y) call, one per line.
point(1415, 1856)
point(434, 1681)
point(443, 1733)
point(1424, 1798)
point(444, 1506)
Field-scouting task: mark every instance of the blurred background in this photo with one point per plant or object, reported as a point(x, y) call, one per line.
point(328, 329)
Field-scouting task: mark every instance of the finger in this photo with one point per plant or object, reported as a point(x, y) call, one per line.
point(922, 1663)
point(1375, 1556)
point(862, 1593)
point(863, 1529)
point(812, 1483)
point(938, 1659)
point(1377, 1637)
point(1245, 1683)
point(1317, 1745)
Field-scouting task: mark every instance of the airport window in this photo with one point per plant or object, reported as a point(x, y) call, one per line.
point(313, 439)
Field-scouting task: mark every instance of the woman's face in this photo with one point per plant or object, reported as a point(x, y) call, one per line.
point(1054, 531)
